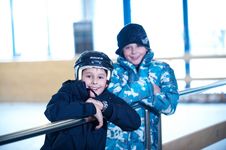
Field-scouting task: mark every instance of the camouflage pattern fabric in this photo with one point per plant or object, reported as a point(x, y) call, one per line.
point(135, 84)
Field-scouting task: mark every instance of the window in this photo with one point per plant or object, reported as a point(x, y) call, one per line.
point(6, 49)
point(163, 21)
point(108, 20)
point(41, 29)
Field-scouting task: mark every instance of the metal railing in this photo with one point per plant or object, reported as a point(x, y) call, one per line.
point(44, 129)
point(60, 125)
point(202, 88)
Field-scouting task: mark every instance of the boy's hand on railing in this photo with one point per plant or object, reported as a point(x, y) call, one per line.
point(99, 116)
point(96, 103)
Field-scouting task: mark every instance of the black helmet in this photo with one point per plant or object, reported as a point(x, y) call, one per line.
point(89, 59)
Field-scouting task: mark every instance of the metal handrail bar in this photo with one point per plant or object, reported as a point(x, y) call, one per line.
point(202, 88)
point(48, 128)
point(43, 129)
point(65, 124)
point(189, 56)
point(60, 125)
point(201, 79)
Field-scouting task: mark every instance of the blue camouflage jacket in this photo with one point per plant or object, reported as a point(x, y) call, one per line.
point(135, 84)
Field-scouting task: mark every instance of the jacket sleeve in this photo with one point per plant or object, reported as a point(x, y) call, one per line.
point(119, 112)
point(69, 103)
point(166, 101)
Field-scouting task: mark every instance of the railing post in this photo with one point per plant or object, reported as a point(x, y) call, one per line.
point(160, 132)
point(147, 129)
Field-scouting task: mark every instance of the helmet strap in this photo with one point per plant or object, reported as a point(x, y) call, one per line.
point(92, 91)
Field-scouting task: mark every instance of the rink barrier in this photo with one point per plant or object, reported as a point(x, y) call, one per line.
point(65, 124)
point(199, 139)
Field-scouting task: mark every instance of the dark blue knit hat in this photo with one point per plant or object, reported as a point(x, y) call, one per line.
point(131, 33)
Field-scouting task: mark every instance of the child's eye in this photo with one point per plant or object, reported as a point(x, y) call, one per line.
point(127, 47)
point(88, 76)
point(101, 77)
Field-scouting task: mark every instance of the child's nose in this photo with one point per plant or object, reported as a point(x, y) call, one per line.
point(133, 50)
point(94, 81)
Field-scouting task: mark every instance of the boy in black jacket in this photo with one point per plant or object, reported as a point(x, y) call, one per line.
point(87, 97)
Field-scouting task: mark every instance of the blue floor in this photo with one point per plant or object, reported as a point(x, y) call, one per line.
point(188, 118)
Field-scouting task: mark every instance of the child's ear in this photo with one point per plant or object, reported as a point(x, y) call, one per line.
point(106, 85)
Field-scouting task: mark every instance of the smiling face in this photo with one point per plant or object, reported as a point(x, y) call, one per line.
point(95, 79)
point(134, 53)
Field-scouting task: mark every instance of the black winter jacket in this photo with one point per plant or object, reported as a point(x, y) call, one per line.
point(69, 103)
